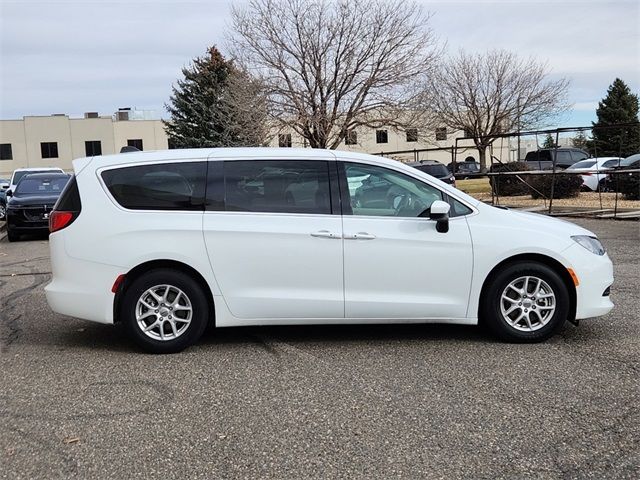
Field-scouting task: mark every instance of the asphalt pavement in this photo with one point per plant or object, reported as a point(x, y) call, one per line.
point(79, 400)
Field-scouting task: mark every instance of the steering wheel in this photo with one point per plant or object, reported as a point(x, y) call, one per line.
point(406, 203)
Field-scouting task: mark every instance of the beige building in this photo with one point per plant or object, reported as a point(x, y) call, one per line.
point(390, 141)
point(55, 140)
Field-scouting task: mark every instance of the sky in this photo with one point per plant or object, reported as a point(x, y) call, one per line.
point(74, 56)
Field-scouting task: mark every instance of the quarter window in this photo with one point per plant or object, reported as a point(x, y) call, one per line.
point(49, 149)
point(165, 186)
point(378, 191)
point(279, 186)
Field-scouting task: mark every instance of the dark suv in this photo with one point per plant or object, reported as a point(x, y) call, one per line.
point(565, 157)
point(435, 169)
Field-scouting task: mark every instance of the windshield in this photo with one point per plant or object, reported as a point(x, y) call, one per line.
point(41, 186)
point(582, 164)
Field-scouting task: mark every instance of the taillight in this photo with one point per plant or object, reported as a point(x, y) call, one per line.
point(58, 220)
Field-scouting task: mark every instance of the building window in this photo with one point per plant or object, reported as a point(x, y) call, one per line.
point(468, 133)
point(441, 133)
point(412, 134)
point(382, 136)
point(284, 140)
point(5, 151)
point(351, 138)
point(49, 149)
point(135, 142)
point(92, 148)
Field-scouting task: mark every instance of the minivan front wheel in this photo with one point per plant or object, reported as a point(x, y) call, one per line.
point(525, 302)
point(165, 311)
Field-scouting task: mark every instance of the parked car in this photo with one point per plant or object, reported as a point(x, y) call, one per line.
point(4, 186)
point(564, 157)
point(18, 173)
point(166, 261)
point(30, 205)
point(594, 171)
point(435, 169)
point(464, 169)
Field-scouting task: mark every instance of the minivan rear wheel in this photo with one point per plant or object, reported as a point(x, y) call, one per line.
point(165, 311)
point(525, 302)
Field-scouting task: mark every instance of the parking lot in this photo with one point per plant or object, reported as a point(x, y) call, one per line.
point(78, 400)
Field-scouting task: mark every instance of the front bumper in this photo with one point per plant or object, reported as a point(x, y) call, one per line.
point(595, 276)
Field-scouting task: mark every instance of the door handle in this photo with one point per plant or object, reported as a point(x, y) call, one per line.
point(325, 234)
point(360, 236)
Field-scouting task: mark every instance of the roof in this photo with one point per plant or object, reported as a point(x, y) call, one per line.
point(39, 169)
point(46, 175)
point(250, 153)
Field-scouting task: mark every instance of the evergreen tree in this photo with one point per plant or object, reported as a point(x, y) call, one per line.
point(549, 142)
point(580, 141)
point(215, 105)
point(619, 106)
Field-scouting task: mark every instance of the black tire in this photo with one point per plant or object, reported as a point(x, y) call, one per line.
point(12, 236)
point(490, 308)
point(196, 297)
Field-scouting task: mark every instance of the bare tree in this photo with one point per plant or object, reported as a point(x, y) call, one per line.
point(485, 95)
point(330, 66)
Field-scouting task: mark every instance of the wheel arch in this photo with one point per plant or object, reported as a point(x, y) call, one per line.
point(139, 270)
point(550, 262)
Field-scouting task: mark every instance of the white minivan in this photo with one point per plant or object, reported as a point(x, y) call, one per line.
point(168, 242)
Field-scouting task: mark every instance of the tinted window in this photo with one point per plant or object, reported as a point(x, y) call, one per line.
point(577, 155)
point(563, 157)
point(611, 163)
point(378, 191)
point(458, 209)
point(438, 171)
point(166, 186)
point(280, 186)
point(41, 186)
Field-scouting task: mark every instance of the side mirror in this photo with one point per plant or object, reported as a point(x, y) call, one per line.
point(9, 193)
point(440, 213)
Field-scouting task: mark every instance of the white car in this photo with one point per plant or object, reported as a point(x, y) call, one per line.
point(594, 171)
point(18, 173)
point(168, 242)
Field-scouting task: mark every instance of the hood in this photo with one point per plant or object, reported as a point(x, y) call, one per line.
point(32, 200)
point(537, 222)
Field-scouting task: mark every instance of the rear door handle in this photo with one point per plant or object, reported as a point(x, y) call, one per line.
point(325, 234)
point(360, 236)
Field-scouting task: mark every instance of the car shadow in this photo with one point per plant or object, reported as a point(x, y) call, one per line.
point(114, 337)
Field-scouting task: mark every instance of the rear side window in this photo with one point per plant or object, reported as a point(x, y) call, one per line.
point(69, 200)
point(165, 186)
point(278, 186)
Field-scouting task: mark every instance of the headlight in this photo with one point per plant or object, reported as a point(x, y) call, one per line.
point(590, 243)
